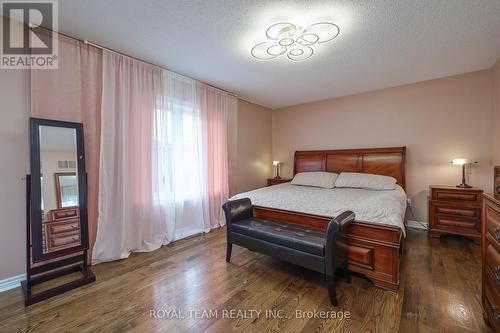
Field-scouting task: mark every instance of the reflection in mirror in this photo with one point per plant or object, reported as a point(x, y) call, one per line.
point(59, 188)
point(66, 189)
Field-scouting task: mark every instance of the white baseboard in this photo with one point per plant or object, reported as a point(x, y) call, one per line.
point(417, 224)
point(12, 282)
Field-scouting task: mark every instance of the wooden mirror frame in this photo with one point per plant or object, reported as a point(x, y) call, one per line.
point(58, 186)
point(36, 213)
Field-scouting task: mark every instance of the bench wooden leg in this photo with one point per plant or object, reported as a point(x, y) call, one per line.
point(228, 251)
point(345, 272)
point(332, 291)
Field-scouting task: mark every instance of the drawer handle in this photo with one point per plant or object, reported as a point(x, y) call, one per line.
point(497, 273)
point(73, 226)
point(73, 238)
point(497, 233)
point(495, 314)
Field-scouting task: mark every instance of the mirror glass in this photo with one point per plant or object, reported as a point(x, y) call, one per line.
point(66, 189)
point(59, 188)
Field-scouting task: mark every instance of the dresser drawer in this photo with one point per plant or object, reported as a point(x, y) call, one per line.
point(492, 261)
point(455, 223)
point(492, 311)
point(492, 218)
point(64, 213)
point(459, 211)
point(66, 241)
point(450, 195)
point(492, 298)
point(60, 227)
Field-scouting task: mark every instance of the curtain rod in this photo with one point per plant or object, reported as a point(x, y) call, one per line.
point(147, 62)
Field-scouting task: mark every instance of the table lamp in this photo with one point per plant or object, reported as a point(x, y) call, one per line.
point(462, 162)
point(277, 164)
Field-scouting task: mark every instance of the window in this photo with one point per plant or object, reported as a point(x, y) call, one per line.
point(178, 155)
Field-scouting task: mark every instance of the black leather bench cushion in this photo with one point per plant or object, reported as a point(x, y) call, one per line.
point(295, 237)
point(301, 258)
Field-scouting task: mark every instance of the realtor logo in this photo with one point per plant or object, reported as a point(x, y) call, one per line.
point(28, 38)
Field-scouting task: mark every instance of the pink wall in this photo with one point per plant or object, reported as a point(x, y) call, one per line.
point(436, 120)
point(496, 113)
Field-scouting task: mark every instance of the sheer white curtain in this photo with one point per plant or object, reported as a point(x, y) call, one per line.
point(191, 155)
point(163, 162)
point(177, 157)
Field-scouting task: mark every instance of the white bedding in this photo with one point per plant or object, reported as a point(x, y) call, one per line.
point(385, 207)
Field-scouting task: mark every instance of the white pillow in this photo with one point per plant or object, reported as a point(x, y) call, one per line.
point(316, 179)
point(366, 181)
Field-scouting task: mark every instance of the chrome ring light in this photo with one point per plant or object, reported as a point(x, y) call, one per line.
point(296, 42)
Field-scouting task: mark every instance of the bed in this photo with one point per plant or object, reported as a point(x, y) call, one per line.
point(375, 239)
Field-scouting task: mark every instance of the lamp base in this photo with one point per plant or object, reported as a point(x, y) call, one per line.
point(463, 185)
point(277, 177)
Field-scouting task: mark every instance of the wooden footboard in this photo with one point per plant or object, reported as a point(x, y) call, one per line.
point(373, 249)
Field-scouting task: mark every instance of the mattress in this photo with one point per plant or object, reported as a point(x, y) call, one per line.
point(383, 207)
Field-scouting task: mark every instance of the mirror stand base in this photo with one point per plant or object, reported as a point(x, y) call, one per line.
point(32, 298)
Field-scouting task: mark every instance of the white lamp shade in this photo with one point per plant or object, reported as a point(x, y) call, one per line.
point(460, 161)
point(276, 162)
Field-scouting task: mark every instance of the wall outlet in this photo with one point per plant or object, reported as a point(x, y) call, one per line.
point(408, 202)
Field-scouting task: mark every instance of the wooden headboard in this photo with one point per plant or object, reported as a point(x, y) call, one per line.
point(380, 161)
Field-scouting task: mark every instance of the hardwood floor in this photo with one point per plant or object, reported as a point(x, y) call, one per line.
point(439, 292)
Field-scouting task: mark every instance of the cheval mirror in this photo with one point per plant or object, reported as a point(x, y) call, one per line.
point(57, 228)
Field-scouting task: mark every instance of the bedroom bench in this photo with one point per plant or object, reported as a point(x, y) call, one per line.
point(315, 249)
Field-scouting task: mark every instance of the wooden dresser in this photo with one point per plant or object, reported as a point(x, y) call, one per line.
point(491, 262)
point(454, 210)
point(276, 181)
point(62, 230)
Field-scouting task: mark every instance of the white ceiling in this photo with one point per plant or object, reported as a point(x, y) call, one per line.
point(382, 43)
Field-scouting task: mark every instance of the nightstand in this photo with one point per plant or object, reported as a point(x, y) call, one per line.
point(276, 181)
point(454, 210)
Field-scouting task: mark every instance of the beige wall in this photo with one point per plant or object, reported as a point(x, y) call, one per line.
point(436, 120)
point(254, 147)
point(496, 113)
point(14, 97)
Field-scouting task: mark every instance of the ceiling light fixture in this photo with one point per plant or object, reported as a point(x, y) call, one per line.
point(296, 42)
